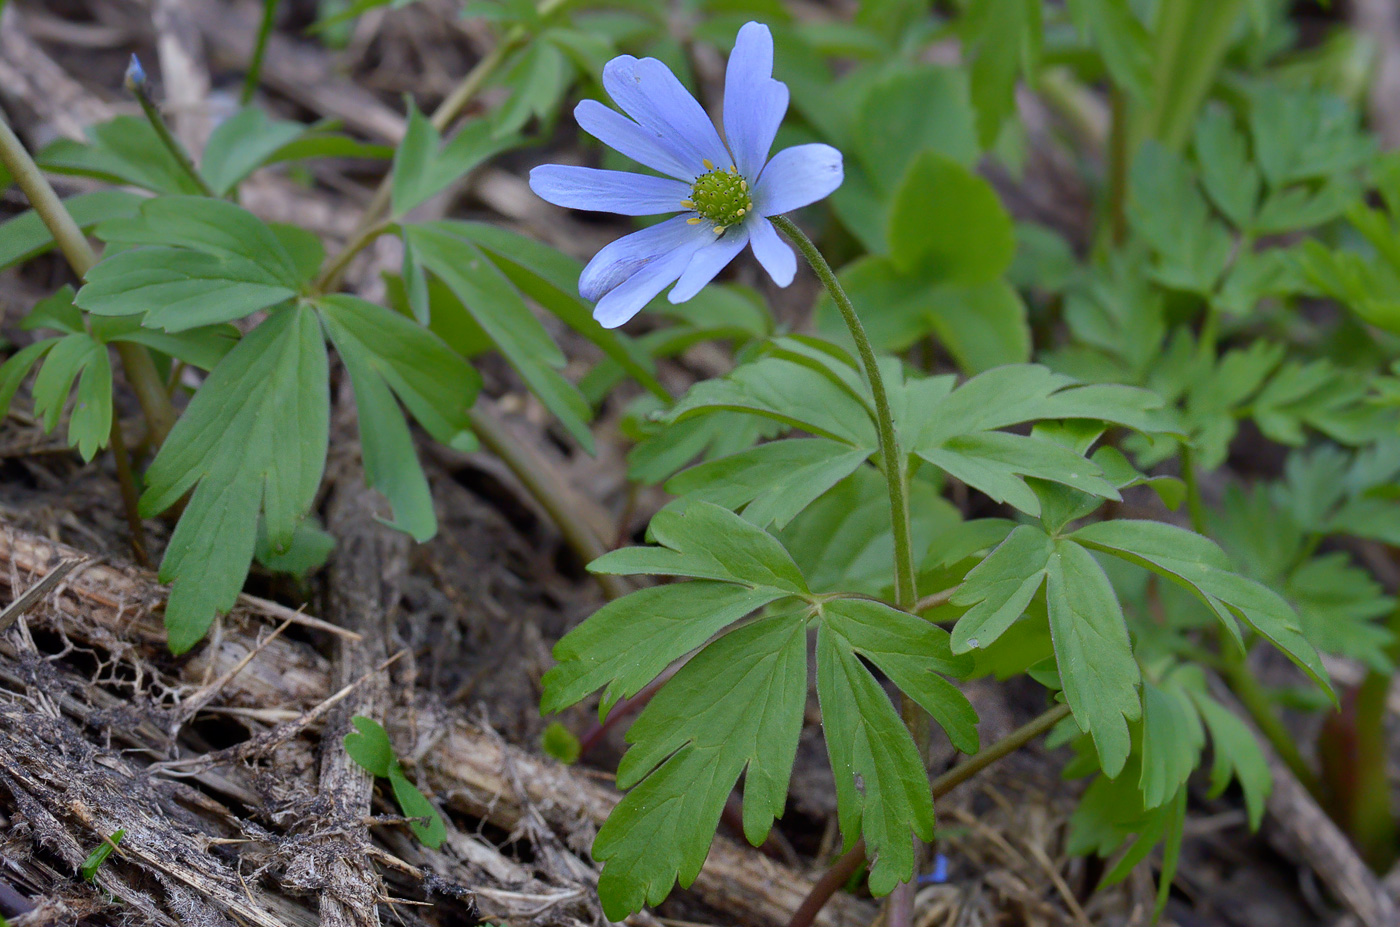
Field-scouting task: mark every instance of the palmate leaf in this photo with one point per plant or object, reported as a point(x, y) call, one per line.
point(736, 706)
point(201, 261)
point(1093, 654)
point(253, 439)
point(390, 356)
point(773, 482)
point(25, 236)
point(423, 166)
point(1198, 564)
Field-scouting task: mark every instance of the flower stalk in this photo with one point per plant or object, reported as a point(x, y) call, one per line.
point(892, 460)
point(137, 86)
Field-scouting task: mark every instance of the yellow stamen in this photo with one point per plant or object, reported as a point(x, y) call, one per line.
point(719, 230)
point(740, 212)
point(687, 204)
point(744, 185)
point(709, 165)
point(693, 220)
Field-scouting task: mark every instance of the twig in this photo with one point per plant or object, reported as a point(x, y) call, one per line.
point(270, 609)
point(34, 593)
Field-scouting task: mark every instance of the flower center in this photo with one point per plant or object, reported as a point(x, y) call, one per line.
point(721, 196)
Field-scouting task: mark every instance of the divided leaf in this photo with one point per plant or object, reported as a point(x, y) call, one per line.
point(735, 708)
point(388, 356)
point(252, 439)
point(202, 261)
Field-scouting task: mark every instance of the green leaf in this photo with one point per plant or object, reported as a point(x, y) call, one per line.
point(17, 367)
point(124, 150)
point(550, 278)
point(1198, 564)
point(497, 307)
point(310, 549)
point(1227, 174)
point(773, 482)
point(388, 355)
point(1001, 587)
point(1092, 650)
point(628, 642)
point(913, 110)
point(1172, 740)
point(369, 746)
point(705, 541)
point(200, 347)
point(415, 804)
point(560, 743)
point(253, 438)
point(1120, 39)
point(205, 261)
point(882, 790)
point(997, 464)
point(982, 326)
point(788, 392)
point(538, 78)
point(1305, 135)
point(97, 857)
point(1168, 211)
point(1002, 40)
point(243, 143)
point(912, 652)
point(421, 170)
point(948, 224)
point(1237, 755)
point(26, 236)
point(77, 357)
point(735, 708)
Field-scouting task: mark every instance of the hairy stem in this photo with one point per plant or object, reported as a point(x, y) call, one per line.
point(840, 873)
point(891, 457)
point(255, 63)
point(136, 360)
point(157, 121)
point(373, 222)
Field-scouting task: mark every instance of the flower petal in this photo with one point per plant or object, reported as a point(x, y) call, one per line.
point(772, 252)
point(649, 93)
point(641, 145)
point(608, 191)
point(621, 259)
point(754, 103)
point(708, 261)
point(629, 297)
point(797, 176)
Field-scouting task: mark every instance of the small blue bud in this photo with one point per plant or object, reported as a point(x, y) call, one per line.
point(135, 75)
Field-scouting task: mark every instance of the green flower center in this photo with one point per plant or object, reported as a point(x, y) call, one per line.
point(721, 196)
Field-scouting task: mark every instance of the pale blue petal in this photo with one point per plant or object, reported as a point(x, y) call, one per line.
point(627, 298)
point(754, 103)
point(621, 259)
point(608, 191)
point(649, 93)
point(796, 177)
point(772, 252)
point(641, 145)
point(708, 261)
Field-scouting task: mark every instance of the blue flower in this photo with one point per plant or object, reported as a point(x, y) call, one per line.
point(724, 188)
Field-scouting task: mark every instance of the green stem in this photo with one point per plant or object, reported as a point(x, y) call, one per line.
point(177, 151)
point(893, 461)
point(373, 220)
point(1256, 701)
point(846, 866)
point(1194, 503)
point(254, 75)
point(136, 360)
